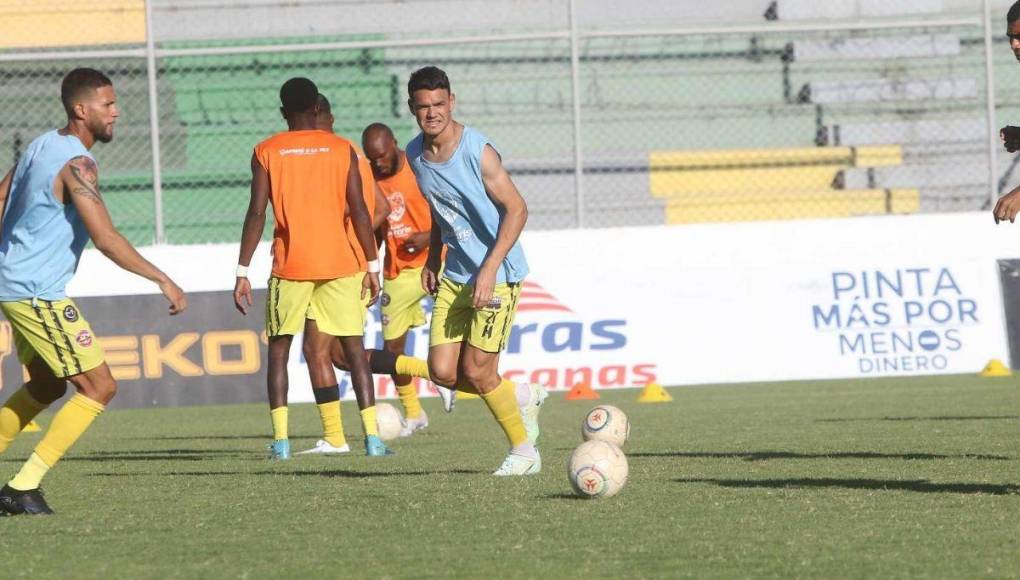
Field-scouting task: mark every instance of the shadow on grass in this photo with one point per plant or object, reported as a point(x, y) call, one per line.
point(765, 455)
point(918, 485)
point(341, 473)
point(262, 436)
point(941, 418)
point(566, 496)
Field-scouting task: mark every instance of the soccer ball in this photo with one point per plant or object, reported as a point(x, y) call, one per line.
point(390, 421)
point(597, 469)
point(606, 423)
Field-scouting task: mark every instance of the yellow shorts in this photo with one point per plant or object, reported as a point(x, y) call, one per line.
point(401, 303)
point(56, 332)
point(454, 318)
point(334, 305)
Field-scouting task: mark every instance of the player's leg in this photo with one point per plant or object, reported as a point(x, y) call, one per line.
point(487, 337)
point(63, 341)
point(286, 306)
point(401, 312)
point(42, 388)
point(338, 311)
point(317, 349)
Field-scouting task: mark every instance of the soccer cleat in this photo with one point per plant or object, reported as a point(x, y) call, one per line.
point(529, 412)
point(449, 397)
point(515, 464)
point(279, 449)
point(323, 447)
point(14, 502)
point(374, 447)
point(416, 424)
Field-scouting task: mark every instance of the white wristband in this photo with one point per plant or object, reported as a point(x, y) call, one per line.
point(242, 271)
point(373, 266)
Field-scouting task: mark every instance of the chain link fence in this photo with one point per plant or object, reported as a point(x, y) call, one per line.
point(606, 115)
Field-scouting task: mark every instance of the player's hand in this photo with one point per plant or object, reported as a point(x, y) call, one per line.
point(1010, 136)
point(370, 287)
point(173, 293)
point(417, 243)
point(430, 280)
point(243, 299)
point(1007, 206)
point(484, 284)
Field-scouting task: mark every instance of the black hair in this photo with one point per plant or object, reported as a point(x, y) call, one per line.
point(1014, 13)
point(298, 95)
point(383, 127)
point(429, 78)
point(77, 82)
point(324, 107)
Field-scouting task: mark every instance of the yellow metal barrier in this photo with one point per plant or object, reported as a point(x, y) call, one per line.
point(47, 24)
point(781, 205)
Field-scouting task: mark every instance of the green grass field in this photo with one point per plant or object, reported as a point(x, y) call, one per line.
point(911, 477)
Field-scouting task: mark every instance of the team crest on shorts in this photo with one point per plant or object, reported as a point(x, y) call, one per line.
point(495, 302)
point(70, 314)
point(84, 339)
point(385, 299)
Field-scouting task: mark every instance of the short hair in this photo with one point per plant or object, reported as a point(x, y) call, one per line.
point(324, 106)
point(377, 127)
point(298, 95)
point(78, 81)
point(429, 78)
point(1014, 13)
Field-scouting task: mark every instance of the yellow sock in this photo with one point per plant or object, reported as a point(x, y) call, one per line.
point(279, 417)
point(502, 401)
point(31, 474)
point(332, 423)
point(409, 365)
point(409, 397)
point(68, 426)
point(17, 412)
point(369, 421)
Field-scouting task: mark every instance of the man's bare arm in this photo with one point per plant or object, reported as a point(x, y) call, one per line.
point(382, 208)
point(255, 218)
point(5, 190)
point(360, 219)
point(80, 180)
point(504, 194)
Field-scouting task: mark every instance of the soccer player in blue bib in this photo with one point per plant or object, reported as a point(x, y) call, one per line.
point(478, 214)
point(51, 207)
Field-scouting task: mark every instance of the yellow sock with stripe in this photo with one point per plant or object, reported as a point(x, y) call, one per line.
point(409, 365)
point(502, 401)
point(68, 426)
point(327, 400)
point(368, 419)
point(279, 418)
point(18, 411)
point(409, 397)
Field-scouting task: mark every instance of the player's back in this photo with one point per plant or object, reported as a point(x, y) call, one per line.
point(41, 239)
point(308, 179)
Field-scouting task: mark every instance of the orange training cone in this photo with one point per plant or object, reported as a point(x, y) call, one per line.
point(654, 393)
point(582, 392)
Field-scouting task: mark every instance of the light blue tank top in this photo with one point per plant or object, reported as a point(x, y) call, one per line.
point(468, 218)
point(41, 240)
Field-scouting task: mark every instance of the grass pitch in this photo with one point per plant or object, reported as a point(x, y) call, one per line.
point(878, 478)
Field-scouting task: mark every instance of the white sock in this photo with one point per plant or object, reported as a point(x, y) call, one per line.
point(523, 391)
point(526, 450)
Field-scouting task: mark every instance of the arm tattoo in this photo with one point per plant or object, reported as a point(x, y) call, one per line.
point(86, 176)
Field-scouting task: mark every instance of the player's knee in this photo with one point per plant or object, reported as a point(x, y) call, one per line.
point(475, 376)
point(442, 375)
point(316, 354)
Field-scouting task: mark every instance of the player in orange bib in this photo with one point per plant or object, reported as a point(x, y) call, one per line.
point(319, 279)
point(408, 233)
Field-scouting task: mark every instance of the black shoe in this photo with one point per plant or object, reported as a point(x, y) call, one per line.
point(16, 503)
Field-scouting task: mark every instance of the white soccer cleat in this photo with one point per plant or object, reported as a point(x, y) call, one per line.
point(416, 424)
point(530, 410)
point(449, 397)
point(322, 447)
point(515, 464)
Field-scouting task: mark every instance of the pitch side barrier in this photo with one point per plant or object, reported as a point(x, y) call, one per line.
point(618, 308)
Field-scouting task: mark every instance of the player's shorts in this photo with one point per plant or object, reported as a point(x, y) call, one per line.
point(401, 303)
point(334, 305)
point(454, 318)
point(56, 332)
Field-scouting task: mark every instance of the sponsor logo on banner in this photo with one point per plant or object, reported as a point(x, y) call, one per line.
point(897, 320)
